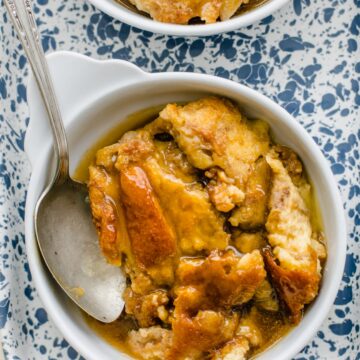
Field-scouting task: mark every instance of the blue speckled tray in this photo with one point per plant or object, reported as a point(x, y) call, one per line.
point(305, 57)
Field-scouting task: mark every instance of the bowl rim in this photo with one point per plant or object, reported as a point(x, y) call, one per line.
point(51, 302)
point(117, 11)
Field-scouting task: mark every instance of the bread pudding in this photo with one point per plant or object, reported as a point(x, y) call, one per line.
point(182, 11)
point(213, 224)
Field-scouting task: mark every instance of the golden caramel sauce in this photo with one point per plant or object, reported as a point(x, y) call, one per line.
point(314, 208)
point(112, 136)
point(272, 326)
point(312, 203)
point(113, 333)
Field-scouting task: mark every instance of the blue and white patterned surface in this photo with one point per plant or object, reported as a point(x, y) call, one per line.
point(306, 57)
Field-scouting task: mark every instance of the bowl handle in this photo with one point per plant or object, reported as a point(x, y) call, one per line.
point(77, 80)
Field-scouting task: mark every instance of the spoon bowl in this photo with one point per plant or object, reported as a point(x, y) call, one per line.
point(68, 242)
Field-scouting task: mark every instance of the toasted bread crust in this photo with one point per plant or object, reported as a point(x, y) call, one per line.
point(251, 214)
point(206, 291)
point(296, 288)
point(104, 213)
point(152, 239)
point(223, 280)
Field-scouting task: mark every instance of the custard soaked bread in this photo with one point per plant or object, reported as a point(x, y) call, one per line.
point(209, 220)
point(298, 271)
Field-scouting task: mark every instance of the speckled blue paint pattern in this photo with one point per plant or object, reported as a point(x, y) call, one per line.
point(305, 57)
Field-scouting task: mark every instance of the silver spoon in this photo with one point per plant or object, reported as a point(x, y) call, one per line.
point(66, 236)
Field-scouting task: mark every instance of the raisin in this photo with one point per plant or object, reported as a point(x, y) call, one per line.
point(202, 179)
point(163, 137)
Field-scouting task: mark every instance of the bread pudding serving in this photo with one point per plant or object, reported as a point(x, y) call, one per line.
point(214, 225)
point(182, 11)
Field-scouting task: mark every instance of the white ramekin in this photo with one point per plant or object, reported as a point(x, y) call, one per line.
point(114, 9)
point(96, 95)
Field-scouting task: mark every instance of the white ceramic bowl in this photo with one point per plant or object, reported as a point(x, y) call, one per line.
point(94, 96)
point(114, 9)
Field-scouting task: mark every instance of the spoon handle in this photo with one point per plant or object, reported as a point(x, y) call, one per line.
point(22, 17)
